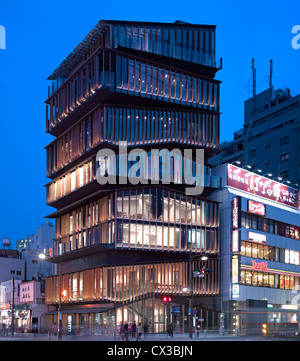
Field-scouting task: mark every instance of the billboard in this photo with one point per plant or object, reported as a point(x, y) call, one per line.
point(258, 185)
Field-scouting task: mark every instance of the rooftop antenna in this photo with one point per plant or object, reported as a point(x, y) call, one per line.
point(254, 86)
point(248, 87)
point(271, 73)
point(253, 79)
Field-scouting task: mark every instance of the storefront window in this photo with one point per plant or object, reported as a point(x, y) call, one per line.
point(248, 249)
point(260, 251)
point(248, 278)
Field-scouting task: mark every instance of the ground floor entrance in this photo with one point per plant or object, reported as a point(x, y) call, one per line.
point(152, 314)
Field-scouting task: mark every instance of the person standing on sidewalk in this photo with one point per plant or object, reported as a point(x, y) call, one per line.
point(145, 329)
point(139, 331)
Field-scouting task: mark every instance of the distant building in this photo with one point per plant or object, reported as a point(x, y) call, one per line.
point(42, 239)
point(24, 243)
point(11, 265)
point(269, 139)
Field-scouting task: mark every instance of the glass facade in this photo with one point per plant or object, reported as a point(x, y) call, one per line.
point(270, 226)
point(146, 219)
point(138, 126)
point(126, 74)
point(127, 283)
point(193, 44)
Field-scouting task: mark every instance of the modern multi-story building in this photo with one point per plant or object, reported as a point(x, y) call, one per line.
point(260, 251)
point(269, 140)
point(123, 246)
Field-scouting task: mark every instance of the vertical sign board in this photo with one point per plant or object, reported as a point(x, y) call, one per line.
point(236, 223)
point(236, 212)
point(235, 266)
point(236, 240)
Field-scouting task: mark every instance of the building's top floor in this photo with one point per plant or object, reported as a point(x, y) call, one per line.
point(178, 40)
point(9, 253)
point(267, 105)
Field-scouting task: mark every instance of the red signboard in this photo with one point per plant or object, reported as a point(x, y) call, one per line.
point(260, 186)
point(256, 208)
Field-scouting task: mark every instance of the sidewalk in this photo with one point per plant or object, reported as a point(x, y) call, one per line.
point(106, 337)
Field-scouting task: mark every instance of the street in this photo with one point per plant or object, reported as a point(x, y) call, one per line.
point(150, 338)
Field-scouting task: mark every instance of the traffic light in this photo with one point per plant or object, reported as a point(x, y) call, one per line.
point(264, 329)
point(166, 299)
point(199, 273)
point(202, 272)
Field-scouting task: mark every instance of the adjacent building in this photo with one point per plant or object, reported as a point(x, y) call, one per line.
point(124, 246)
point(260, 251)
point(270, 137)
point(22, 281)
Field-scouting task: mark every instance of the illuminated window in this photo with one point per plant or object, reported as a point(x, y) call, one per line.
point(73, 181)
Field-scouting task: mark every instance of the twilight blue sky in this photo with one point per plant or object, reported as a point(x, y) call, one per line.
point(40, 34)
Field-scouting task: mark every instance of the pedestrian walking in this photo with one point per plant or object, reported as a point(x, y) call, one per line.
point(170, 330)
point(145, 329)
point(54, 329)
point(133, 329)
point(122, 331)
point(139, 331)
point(126, 331)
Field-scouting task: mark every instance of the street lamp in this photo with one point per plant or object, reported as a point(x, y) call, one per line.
point(52, 260)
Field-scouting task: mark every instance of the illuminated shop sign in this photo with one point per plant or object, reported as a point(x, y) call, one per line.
point(235, 240)
point(235, 291)
point(260, 186)
point(257, 237)
point(236, 212)
point(259, 266)
point(256, 208)
point(235, 268)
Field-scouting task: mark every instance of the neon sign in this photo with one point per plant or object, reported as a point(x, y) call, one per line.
point(259, 266)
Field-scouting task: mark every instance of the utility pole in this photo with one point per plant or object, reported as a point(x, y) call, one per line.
point(13, 308)
point(191, 295)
